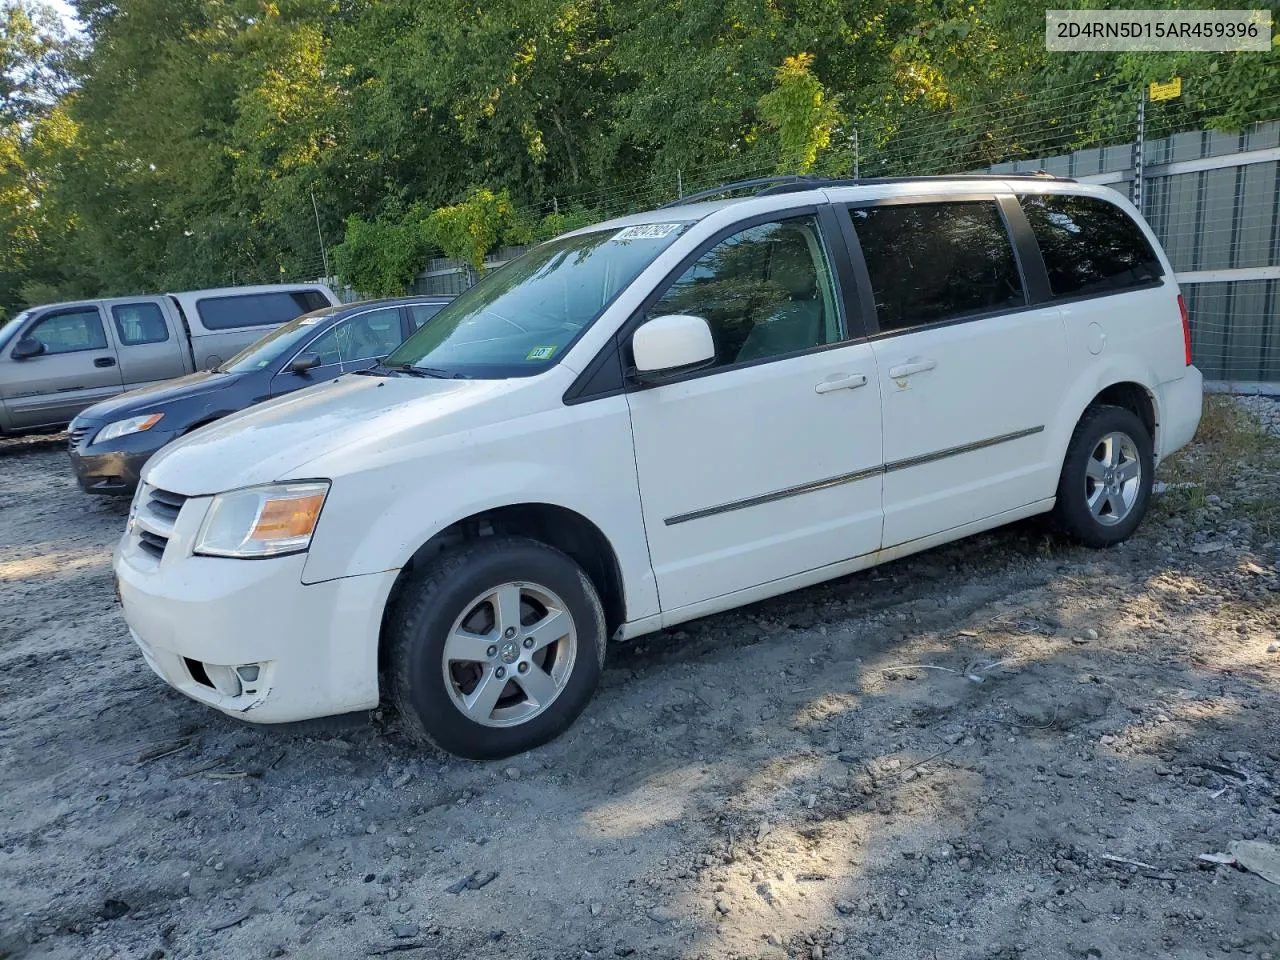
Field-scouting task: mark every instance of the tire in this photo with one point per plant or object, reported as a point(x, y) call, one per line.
point(1100, 503)
point(461, 704)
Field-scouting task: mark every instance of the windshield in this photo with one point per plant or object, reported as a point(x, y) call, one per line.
point(519, 320)
point(283, 339)
point(10, 330)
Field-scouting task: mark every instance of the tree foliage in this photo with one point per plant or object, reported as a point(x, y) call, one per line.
point(800, 110)
point(200, 140)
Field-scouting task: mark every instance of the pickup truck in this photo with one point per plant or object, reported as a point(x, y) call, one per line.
point(58, 359)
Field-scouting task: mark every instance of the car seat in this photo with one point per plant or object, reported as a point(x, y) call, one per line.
point(795, 323)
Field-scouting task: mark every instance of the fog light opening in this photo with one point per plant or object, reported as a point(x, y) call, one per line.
point(224, 679)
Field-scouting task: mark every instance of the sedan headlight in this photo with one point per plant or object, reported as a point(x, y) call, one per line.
point(262, 521)
point(122, 428)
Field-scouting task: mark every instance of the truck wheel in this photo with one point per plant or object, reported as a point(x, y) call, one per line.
point(1105, 485)
point(495, 648)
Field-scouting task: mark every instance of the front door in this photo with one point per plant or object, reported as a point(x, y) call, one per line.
point(766, 464)
point(971, 376)
point(77, 369)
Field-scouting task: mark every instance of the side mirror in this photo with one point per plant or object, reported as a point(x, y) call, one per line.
point(303, 362)
point(26, 348)
point(671, 345)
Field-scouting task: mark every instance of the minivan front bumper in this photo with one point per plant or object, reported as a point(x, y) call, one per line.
point(247, 637)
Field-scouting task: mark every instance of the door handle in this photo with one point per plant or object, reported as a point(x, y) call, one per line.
point(911, 367)
point(844, 382)
point(104, 361)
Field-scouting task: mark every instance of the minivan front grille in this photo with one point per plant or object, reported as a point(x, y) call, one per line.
point(165, 504)
point(152, 543)
point(75, 436)
point(156, 514)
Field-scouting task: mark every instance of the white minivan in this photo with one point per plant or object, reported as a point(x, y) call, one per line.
point(654, 419)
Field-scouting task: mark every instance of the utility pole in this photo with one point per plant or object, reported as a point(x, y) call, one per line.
point(324, 255)
point(856, 157)
point(679, 184)
point(1138, 148)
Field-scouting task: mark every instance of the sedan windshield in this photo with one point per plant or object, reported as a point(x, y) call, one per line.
point(519, 320)
point(275, 344)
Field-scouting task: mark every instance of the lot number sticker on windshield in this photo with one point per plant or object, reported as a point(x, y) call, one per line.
point(541, 353)
point(648, 231)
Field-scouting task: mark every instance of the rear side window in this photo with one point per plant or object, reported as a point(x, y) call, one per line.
point(420, 313)
point(139, 323)
point(1089, 246)
point(931, 262)
point(257, 309)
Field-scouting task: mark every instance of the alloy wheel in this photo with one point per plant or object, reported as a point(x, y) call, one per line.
point(509, 654)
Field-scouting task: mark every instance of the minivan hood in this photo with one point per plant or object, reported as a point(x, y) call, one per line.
point(154, 397)
point(276, 439)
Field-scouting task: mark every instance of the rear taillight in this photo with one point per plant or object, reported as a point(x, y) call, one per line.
point(1186, 327)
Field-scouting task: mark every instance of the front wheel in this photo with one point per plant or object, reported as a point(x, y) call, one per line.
point(495, 648)
point(1105, 485)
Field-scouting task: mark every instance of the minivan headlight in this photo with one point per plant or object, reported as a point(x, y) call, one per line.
point(262, 521)
point(122, 428)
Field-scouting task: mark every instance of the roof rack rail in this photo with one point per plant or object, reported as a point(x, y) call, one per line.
point(791, 184)
point(802, 182)
point(868, 181)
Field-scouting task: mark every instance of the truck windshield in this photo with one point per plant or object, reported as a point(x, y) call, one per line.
point(520, 319)
point(10, 330)
point(283, 339)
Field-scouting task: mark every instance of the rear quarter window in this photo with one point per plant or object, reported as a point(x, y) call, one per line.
point(257, 309)
point(1089, 246)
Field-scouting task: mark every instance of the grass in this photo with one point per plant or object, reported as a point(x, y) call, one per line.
point(1232, 458)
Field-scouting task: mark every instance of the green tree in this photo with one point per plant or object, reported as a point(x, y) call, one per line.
point(36, 136)
point(799, 109)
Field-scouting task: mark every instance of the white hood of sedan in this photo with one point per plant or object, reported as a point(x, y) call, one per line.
point(277, 439)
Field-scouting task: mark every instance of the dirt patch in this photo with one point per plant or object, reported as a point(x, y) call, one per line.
point(799, 778)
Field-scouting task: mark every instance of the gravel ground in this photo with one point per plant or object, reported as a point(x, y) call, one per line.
point(822, 775)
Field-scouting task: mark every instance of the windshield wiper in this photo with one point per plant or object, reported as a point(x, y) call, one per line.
point(407, 369)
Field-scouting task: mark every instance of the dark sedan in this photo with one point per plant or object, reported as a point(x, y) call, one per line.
point(111, 440)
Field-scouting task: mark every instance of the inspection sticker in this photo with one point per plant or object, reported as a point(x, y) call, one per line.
point(648, 231)
point(541, 353)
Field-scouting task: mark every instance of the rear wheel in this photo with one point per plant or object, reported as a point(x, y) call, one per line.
point(496, 647)
point(1105, 485)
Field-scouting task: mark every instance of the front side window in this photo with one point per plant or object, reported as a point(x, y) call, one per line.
point(765, 291)
point(931, 262)
point(520, 319)
point(257, 309)
point(70, 332)
point(369, 335)
point(139, 323)
point(326, 347)
point(1089, 245)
